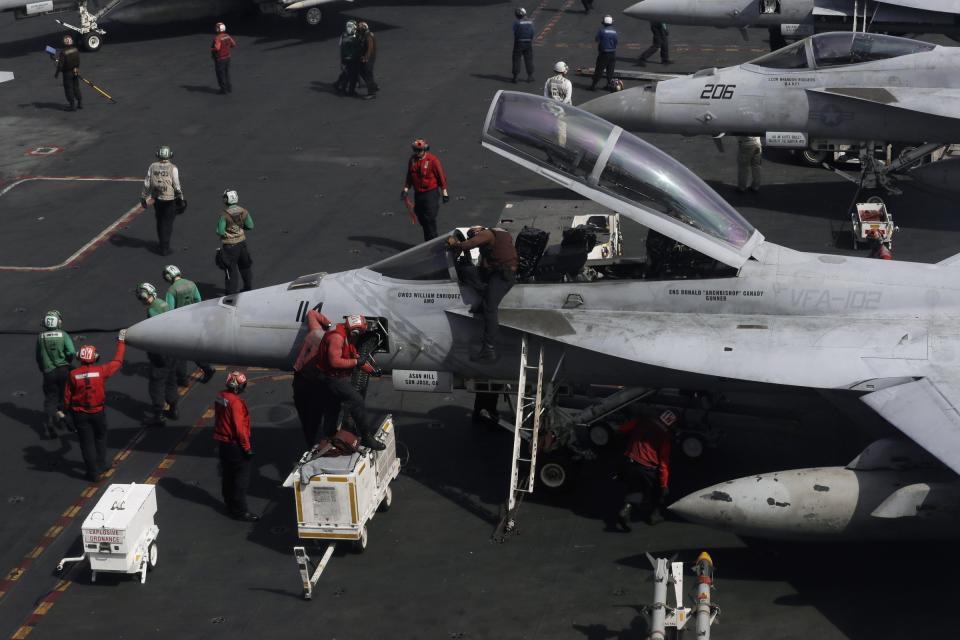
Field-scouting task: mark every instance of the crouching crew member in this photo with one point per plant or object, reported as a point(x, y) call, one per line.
point(234, 222)
point(183, 292)
point(309, 385)
point(84, 395)
point(232, 431)
point(645, 466)
point(55, 352)
point(162, 385)
point(426, 177)
point(496, 276)
point(336, 359)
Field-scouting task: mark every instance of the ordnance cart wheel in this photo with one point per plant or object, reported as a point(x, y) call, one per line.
point(152, 556)
point(387, 501)
point(359, 546)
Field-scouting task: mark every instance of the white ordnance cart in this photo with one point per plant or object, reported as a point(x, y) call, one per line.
point(872, 219)
point(337, 495)
point(119, 535)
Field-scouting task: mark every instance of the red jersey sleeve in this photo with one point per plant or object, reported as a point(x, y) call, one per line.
point(114, 365)
point(335, 357)
point(241, 422)
point(663, 453)
point(439, 173)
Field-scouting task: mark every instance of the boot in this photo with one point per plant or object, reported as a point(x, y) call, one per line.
point(655, 517)
point(172, 412)
point(623, 516)
point(372, 443)
point(49, 432)
point(154, 418)
point(487, 353)
point(208, 374)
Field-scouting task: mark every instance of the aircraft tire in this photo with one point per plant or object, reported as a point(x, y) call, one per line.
point(313, 16)
point(555, 472)
point(91, 41)
point(812, 158)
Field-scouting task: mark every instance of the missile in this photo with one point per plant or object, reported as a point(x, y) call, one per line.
point(866, 500)
point(706, 612)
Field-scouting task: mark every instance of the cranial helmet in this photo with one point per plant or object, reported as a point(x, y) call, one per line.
point(561, 67)
point(88, 354)
point(164, 152)
point(145, 291)
point(520, 12)
point(362, 26)
point(668, 418)
point(608, 20)
point(350, 28)
point(420, 145)
point(356, 323)
point(616, 84)
point(52, 319)
point(220, 27)
point(236, 381)
point(230, 196)
point(171, 272)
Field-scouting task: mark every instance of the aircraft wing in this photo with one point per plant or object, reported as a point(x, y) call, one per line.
point(6, 76)
point(944, 6)
point(927, 411)
point(944, 103)
point(812, 352)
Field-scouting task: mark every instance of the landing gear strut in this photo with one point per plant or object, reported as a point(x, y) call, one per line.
point(91, 35)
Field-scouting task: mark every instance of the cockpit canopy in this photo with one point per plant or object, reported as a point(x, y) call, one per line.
point(619, 171)
point(840, 48)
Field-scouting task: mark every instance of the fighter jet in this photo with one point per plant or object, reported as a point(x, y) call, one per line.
point(91, 12)
point(822, 92)
point(804, 17)
point(741, 309)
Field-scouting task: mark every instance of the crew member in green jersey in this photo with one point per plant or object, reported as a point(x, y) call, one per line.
point(55, 352)
point(183, 292)
point(162, 385)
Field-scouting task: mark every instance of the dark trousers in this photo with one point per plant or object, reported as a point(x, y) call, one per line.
point(426, 204)
point(165, 212)
point(604, 65)
point(222, 67)
point(183, 375)
point(352, 70)
point(92, 433)
point(317, 410)
point(587, 5)
point(341, 390)
point(659, 42)
point(71, 87)
point(491, 286)
point(237, 263)
point(235, 477)
point(53, 383)
point(641, 480)
point(365, 71)
point(524, 50)
point(162, 385)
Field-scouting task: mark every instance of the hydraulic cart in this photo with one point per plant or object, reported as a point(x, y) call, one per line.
point(119, 535)
point(872, 218)
point(337, 495)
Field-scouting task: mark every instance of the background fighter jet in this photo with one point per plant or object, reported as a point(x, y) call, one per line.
point(821, 92)
point(748, 310)
point(91, 12)
point(804, 17)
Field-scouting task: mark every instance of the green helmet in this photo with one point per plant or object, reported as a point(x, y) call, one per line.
point(164, 152)
point(171, 272)
point(145, 290)
point(52, 319)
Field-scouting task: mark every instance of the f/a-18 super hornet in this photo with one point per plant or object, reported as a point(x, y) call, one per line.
point(820, 93)
point(721, 303)
point(92, 12)
point(804, 17)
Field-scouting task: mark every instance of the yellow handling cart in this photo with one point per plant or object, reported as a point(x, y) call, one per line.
point(337, 496)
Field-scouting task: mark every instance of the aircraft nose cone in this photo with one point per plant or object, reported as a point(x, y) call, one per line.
point(632, 109)
point(202, 331)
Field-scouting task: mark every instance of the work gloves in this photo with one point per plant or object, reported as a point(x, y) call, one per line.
point(143, 202)
point(446, 198)
point(122, 336)
point(376, 373)
point(403, 194)
point(181, 205)
point(248, 454)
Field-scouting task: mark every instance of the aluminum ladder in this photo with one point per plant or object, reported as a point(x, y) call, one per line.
point(530, 408)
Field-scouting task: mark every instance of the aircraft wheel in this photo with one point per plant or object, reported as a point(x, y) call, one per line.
point(387, 501)
point(313, 16)
point(601, 435)
point(91, 41)
point(359, 546)
point(152, 556)
point(813, 158)
point(555, 472)
point(692, 446)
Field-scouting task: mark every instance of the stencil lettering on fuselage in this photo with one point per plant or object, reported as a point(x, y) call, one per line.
point(827, 300)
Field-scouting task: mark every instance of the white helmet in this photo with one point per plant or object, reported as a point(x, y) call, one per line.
point(608, 20)
point(520, 12)
point(221, 28)
point(52, 319)
point(230, 196)
point(350, 28)
point(171, 272)
point(561, 67)
point(145, 290)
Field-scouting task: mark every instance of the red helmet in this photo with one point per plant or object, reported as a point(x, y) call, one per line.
point(419, 145)
point(236, 381)
point(356, 322)
point(88, 354)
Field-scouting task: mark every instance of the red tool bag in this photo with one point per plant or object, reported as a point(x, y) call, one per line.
point(344, 443)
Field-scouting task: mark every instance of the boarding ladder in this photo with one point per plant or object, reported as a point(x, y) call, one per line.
point(530, 409)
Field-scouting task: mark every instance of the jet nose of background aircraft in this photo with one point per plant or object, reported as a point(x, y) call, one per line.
point(199, 331)
point(651, 9)
point(632, 109)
